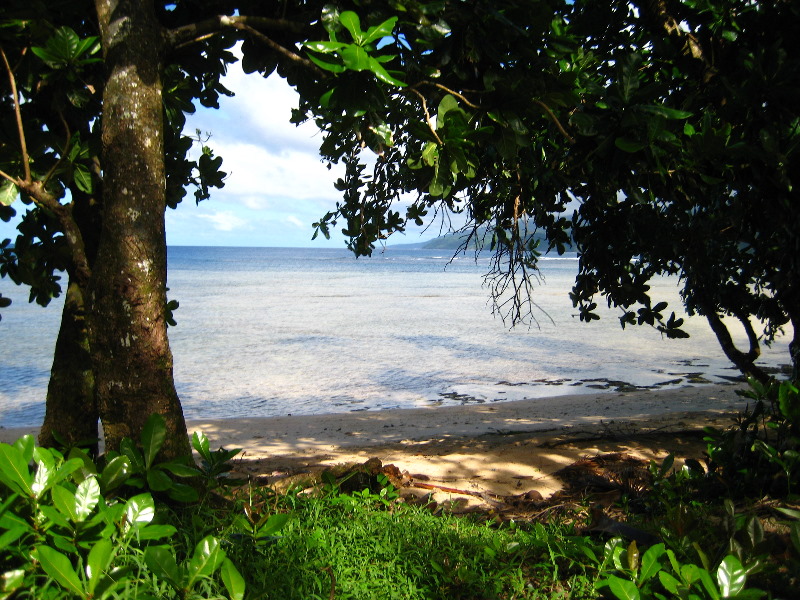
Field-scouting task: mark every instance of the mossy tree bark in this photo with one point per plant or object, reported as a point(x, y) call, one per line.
point(131, 356)
point(71, 407)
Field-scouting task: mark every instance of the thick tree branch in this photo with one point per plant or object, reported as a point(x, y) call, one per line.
point(187, 34)
point(745, 362)
point(282, 50)
point(43, 199)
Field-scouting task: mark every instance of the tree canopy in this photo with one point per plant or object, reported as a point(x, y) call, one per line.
point(670, 124)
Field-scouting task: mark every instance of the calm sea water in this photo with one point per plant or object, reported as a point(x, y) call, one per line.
point(276, 331)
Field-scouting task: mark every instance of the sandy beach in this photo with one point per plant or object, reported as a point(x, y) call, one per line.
point(502, 448)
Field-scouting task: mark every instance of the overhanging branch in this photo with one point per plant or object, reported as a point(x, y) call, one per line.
point(187, 34)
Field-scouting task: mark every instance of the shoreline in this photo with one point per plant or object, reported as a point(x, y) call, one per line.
point(264, 436)
point(501, 449)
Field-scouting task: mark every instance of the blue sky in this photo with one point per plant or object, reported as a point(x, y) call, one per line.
point(277, 186)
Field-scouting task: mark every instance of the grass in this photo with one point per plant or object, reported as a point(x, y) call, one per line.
point(355, 546)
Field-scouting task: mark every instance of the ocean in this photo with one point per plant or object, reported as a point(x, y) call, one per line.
point(275, 331)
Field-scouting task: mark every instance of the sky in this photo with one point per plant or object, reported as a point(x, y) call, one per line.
point(277, 185)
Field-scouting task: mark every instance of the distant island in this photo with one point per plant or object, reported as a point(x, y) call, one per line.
point(453, 241)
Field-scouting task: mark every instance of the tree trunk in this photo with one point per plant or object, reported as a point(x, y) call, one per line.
point(71, 408)
point(745, 362)
point(130, 350)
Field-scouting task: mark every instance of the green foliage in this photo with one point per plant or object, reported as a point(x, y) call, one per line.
point(761, 454)
point(136, 466)
point(336, 57)
point(67, 532)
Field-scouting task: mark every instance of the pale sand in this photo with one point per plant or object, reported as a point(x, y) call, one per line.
point(501, 448)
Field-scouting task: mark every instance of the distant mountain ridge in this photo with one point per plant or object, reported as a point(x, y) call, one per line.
point(453, 241)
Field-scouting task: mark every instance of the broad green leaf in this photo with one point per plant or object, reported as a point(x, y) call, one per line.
point(86, 498)
point(64, 501)
point(58, 566)
point(200, 443)
point(161, 561)
point(446, 104)
point(666, 112)
point(355, 58)
point(89, 45)
point(153, 435)
point(628, 74)
point(8, 192)
point(789, 512)
point(232, 579)
point(731, 576)
point(45, 473)
point(49, 58)
point(327, 64)
point(207, 557)
point(669, 582)
point(179, 469)
point(182, 492)
point(380, 31)
point(116, 578)
point(129, 449)
point(54, 515)
point(755, 531)
point(273, 525)
point(794, 535)
point(139, 511)
point(623, 588)
point(12, 535)
point(50, 477)
point(353, 24)
point(27, 447)
point(324, 47)
point(156, 532)
point(83, 178)
point(14, 470)
point(382, 74)
point(629, 145)
point(97, 562)
point(708, 584)
point(158, 481)
point(430, 154)
point(116, 473)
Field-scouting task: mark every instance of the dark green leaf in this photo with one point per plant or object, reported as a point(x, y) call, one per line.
point(629, 145)
point(207, 558)
point(154, 433)
point(64, 501)
point(161, 561)
point(58, 566)
point(623, 588)
point(273, 524)
point(158, 481)
point(232, 579)
point(98, 562)
point(14, 470)
point(353, 24)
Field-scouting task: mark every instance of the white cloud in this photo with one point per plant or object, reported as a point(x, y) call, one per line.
point(224, 221)
point(296, 222)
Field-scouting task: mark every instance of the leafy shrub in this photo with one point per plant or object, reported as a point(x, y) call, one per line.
point(70, 529)
point(762, 453)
